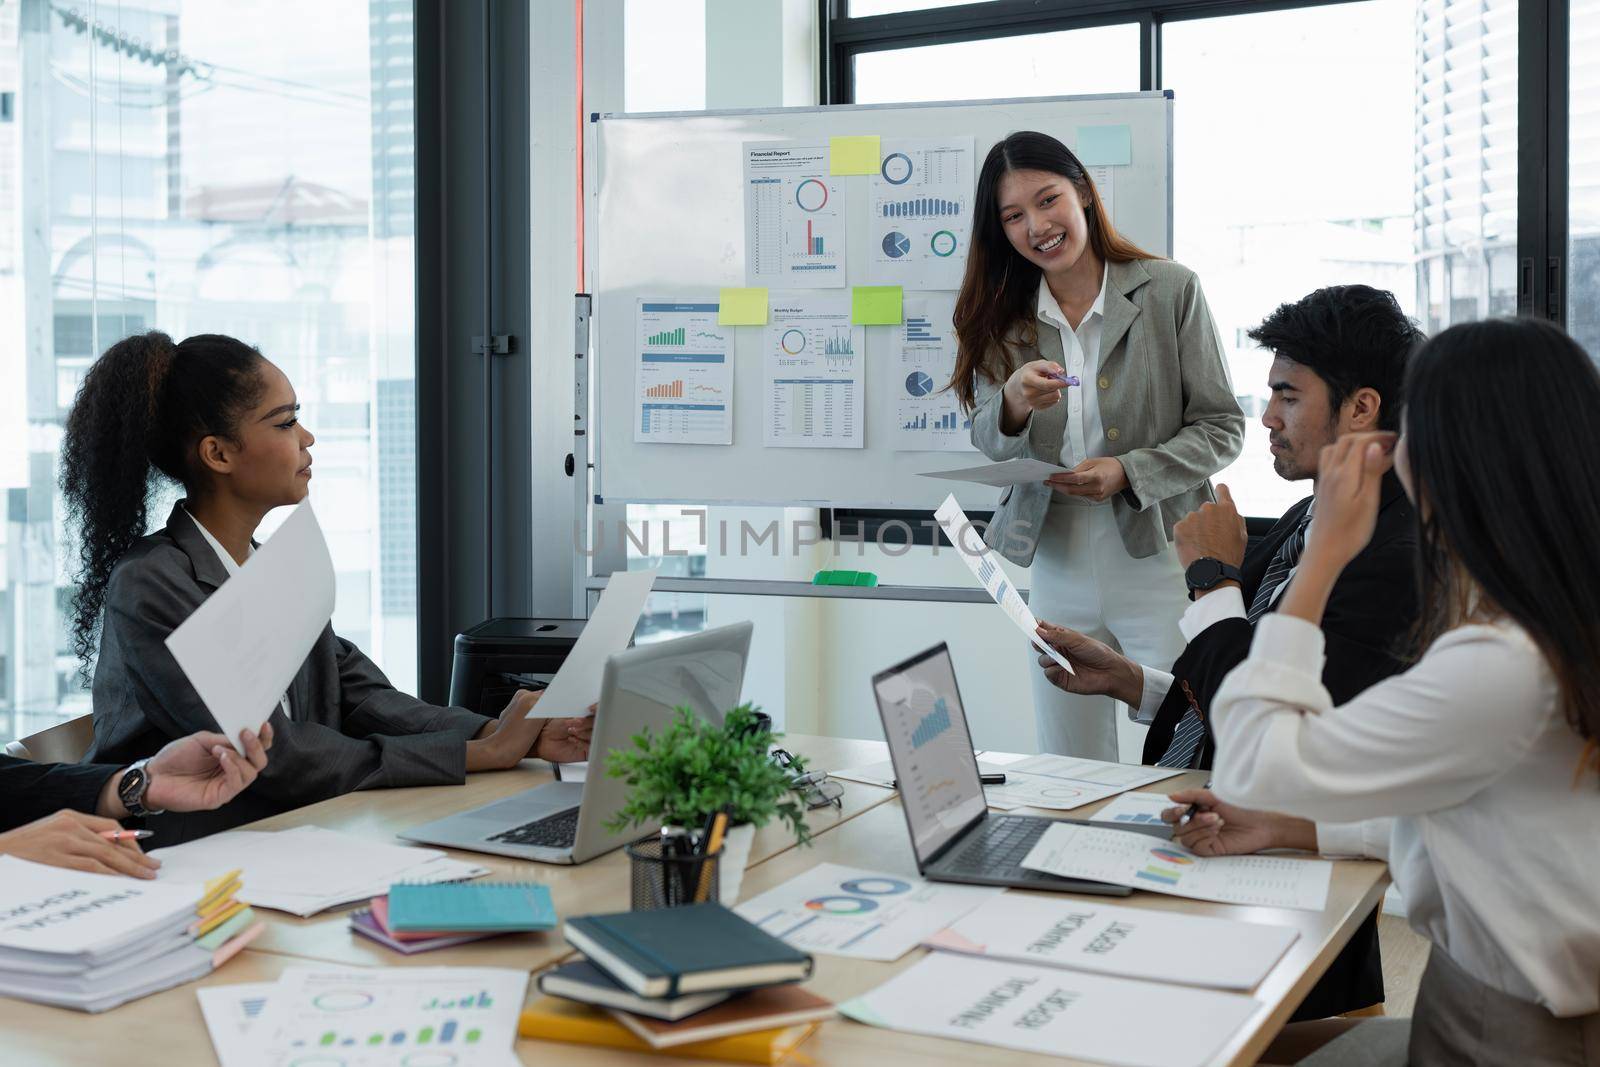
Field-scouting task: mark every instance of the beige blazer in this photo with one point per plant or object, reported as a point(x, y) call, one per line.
point(1165, 400)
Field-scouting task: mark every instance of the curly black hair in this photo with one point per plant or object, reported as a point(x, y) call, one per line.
point(140, 411)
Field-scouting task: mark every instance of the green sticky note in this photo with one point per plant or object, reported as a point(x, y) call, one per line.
point(1105, 146)
point(875, 305)
point(853, 155)
point(742, 307)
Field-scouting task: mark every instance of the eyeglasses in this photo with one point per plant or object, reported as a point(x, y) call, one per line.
point(816, 789)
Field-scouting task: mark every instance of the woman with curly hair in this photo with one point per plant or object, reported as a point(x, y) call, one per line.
point(215, 416)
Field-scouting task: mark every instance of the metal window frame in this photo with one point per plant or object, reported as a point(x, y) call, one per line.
point(1543, 153)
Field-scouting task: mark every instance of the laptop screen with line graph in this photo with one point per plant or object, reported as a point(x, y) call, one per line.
point(926, 728)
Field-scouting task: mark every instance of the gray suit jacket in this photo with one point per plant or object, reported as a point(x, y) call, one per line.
point(1165, 401)
point(350, 728)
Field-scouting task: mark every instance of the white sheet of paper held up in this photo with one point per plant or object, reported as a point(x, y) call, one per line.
point(984, 567)
point(577, 684)
point(244, 645)
point(1008, 472)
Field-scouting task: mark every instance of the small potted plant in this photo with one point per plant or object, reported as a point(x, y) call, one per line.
point(692, 769)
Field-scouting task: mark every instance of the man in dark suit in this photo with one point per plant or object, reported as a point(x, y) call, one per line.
point(58, 813)
point(1339, 363)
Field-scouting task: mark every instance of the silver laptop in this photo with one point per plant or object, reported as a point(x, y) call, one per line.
point(953, 834)
point(563, 822)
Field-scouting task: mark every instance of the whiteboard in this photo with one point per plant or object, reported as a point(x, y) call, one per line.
point(665, 219)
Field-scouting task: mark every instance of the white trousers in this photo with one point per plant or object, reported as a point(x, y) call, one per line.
point(1084, 579)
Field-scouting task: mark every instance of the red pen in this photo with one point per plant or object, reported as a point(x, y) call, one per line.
point(126, 835)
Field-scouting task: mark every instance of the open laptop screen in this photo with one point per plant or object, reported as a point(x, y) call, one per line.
point(931, 747)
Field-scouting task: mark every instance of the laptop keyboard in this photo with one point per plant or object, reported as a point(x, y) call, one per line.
point(999, 845)
point(553, 831)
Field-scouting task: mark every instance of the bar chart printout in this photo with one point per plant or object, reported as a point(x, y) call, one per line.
point(391, 1017)
point(793, 216)
point(684, 378)
point(927, 415)
point(813, 373)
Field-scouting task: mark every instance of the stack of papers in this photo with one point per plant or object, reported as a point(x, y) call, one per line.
point(372, 1016)
point(93, 941)
point(309, 869)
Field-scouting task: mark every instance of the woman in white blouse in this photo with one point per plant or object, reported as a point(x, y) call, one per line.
point(1474, 773)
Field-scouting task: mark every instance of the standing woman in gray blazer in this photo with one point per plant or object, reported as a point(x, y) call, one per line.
point(214, 416)
point(1080, 349)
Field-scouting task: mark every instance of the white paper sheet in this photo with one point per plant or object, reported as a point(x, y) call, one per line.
point(307, 869)
point(868, 915)
point(683, 381)
point(608, 631)
point(1122, 858)
point(1134, 809)
point(1007, 472)
point(921, 212)
point(813, 376)
point(230, 1012)
point(984, 567)
point(390, 1017)
point(1055, 1012)
point(794, 230)
point(928, 417)
point(56, 910)
point(1062, 783)
point(1132, 942)
point(243, 646)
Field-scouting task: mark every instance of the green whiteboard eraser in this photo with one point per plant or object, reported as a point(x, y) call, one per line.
point(866, 578)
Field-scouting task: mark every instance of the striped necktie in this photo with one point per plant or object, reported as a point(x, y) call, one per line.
point(1186, 736)
point(1283, 562)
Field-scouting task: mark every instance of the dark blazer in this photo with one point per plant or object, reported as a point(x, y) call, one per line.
point(1370, 611)
point(30, 791)
point(348, 728)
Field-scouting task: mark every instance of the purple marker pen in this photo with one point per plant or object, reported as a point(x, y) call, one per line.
point(1064, 379)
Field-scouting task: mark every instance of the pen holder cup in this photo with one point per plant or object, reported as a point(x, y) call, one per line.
point(666, 881)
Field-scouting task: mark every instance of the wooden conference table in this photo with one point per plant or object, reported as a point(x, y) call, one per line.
point(869, 831)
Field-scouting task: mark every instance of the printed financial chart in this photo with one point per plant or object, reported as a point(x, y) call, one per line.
point(685, 376)
point(814, 374)
point(794, 216)
point(921, 212)
point(928, 417)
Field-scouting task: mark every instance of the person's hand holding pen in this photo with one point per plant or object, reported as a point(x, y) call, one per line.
point(1034, 386)
point(1208, 826)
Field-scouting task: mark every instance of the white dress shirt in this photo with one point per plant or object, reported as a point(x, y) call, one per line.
point(1085, 437)
point(232, 568)
point(1460, 772)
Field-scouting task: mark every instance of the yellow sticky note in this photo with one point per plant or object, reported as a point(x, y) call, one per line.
point(875, 305)
point(853, 155)
point(742, 307)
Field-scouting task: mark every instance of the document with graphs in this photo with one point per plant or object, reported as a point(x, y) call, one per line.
point(1135, 860)
point(983, 565)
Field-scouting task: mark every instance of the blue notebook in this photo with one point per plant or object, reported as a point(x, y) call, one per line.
point(471, 907)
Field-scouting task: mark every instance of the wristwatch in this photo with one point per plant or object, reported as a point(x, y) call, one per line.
point(1207, 573)
point(131, 790)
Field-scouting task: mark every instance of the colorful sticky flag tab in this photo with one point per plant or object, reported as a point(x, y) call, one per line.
point(876, 305)
point(742, 307)
point(854, 155)
point(1105, 146)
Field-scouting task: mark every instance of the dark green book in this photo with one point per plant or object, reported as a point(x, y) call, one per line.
point(692, 949)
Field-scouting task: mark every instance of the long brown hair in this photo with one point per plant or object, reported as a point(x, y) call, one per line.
point(1000, 286)
point(1508, 494)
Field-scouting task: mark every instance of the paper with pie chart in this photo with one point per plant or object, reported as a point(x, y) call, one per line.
point(928, 417)
point(868, 915)
point(684, 378)
point(388, 1017)
point(1076, 851)
point(794, 229)
point(1062, 783)
point(921, 213)
point(813, 376)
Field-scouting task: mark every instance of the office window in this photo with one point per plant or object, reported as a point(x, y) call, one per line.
point(861, 8)
point(1293, 164)
point(1104, 59)
point(664, 55)
point(242, 168)
point(1583, 170)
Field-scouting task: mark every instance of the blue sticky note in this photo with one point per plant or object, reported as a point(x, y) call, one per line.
point(1105, 146)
